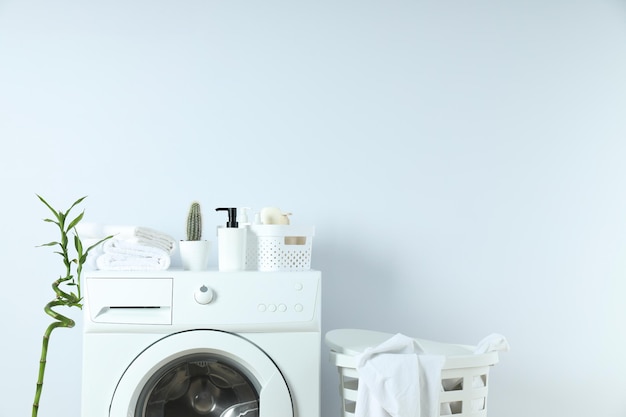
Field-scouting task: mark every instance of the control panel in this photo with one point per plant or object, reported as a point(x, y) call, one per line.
point(250, 299)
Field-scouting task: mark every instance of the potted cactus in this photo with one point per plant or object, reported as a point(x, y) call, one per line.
point(194, 252)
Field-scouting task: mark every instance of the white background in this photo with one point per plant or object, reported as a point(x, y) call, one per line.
point(462, 161)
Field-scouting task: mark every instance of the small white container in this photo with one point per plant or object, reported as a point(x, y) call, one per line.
point(279, 247)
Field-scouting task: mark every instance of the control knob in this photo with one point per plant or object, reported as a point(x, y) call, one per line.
point(203, 295)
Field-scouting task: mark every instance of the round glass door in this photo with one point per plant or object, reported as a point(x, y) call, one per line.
point(199, 385)
point(202, 373)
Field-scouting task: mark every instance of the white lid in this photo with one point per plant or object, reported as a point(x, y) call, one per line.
point(355, 341)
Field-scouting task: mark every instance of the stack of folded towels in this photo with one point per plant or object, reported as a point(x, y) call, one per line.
point(132, 248)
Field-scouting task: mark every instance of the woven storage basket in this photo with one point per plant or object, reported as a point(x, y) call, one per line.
point(464, 376)
point(279, 248)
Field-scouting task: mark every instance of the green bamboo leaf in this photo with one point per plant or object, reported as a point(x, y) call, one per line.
point(56, 214)
point(49, 244)
point(61, 223)
point(78, 245)
point(98, 243)
point(80, 200)
point(75, 221)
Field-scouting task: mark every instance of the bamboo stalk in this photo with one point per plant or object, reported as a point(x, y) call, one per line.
point(62, 322)
point(63, 298)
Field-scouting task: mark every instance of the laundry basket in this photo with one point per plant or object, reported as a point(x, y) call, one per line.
point(464, 376)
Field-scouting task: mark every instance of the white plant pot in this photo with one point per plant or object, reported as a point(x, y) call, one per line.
point(194, 254)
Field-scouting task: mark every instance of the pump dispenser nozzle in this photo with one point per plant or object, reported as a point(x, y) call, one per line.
point(242, 216)
point(232, 216)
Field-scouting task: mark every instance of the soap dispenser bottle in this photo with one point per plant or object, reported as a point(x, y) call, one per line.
point(231, 243)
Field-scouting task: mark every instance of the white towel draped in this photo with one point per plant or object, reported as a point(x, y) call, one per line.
point(493, 342)
point(399, 379)
point(392, 374)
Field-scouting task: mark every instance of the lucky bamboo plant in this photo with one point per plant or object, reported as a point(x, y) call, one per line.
point(67, 286)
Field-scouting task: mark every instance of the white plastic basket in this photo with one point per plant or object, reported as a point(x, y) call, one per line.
point(464, 376)
point(279, 248)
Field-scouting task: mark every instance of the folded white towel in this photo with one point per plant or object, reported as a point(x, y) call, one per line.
point(137, 234)
point(116, 262)
point(132, 248)
point(392, 374)
point(150, 236)
point(131, 256)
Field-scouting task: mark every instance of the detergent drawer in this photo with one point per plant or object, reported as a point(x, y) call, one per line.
point(130, 300)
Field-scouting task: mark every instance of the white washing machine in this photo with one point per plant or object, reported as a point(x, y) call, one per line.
point(217, 344)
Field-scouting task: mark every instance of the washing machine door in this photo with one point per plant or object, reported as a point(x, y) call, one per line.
point(202, 373)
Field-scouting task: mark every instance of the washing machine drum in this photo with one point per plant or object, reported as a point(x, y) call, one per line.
point(202, 373)
point(198, 385)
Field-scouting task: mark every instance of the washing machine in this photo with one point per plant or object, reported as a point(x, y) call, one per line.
point(216, 344)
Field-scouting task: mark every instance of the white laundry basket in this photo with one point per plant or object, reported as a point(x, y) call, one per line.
point(464, 375)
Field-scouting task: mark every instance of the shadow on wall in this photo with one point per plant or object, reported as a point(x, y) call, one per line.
point(356, 286)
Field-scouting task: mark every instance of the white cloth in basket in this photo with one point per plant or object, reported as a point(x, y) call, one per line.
point(492, 343)
point(390, 375)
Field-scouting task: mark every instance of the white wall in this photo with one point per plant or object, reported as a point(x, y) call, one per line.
point(462, 162)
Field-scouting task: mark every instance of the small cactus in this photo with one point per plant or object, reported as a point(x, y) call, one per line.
point(194, 222)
